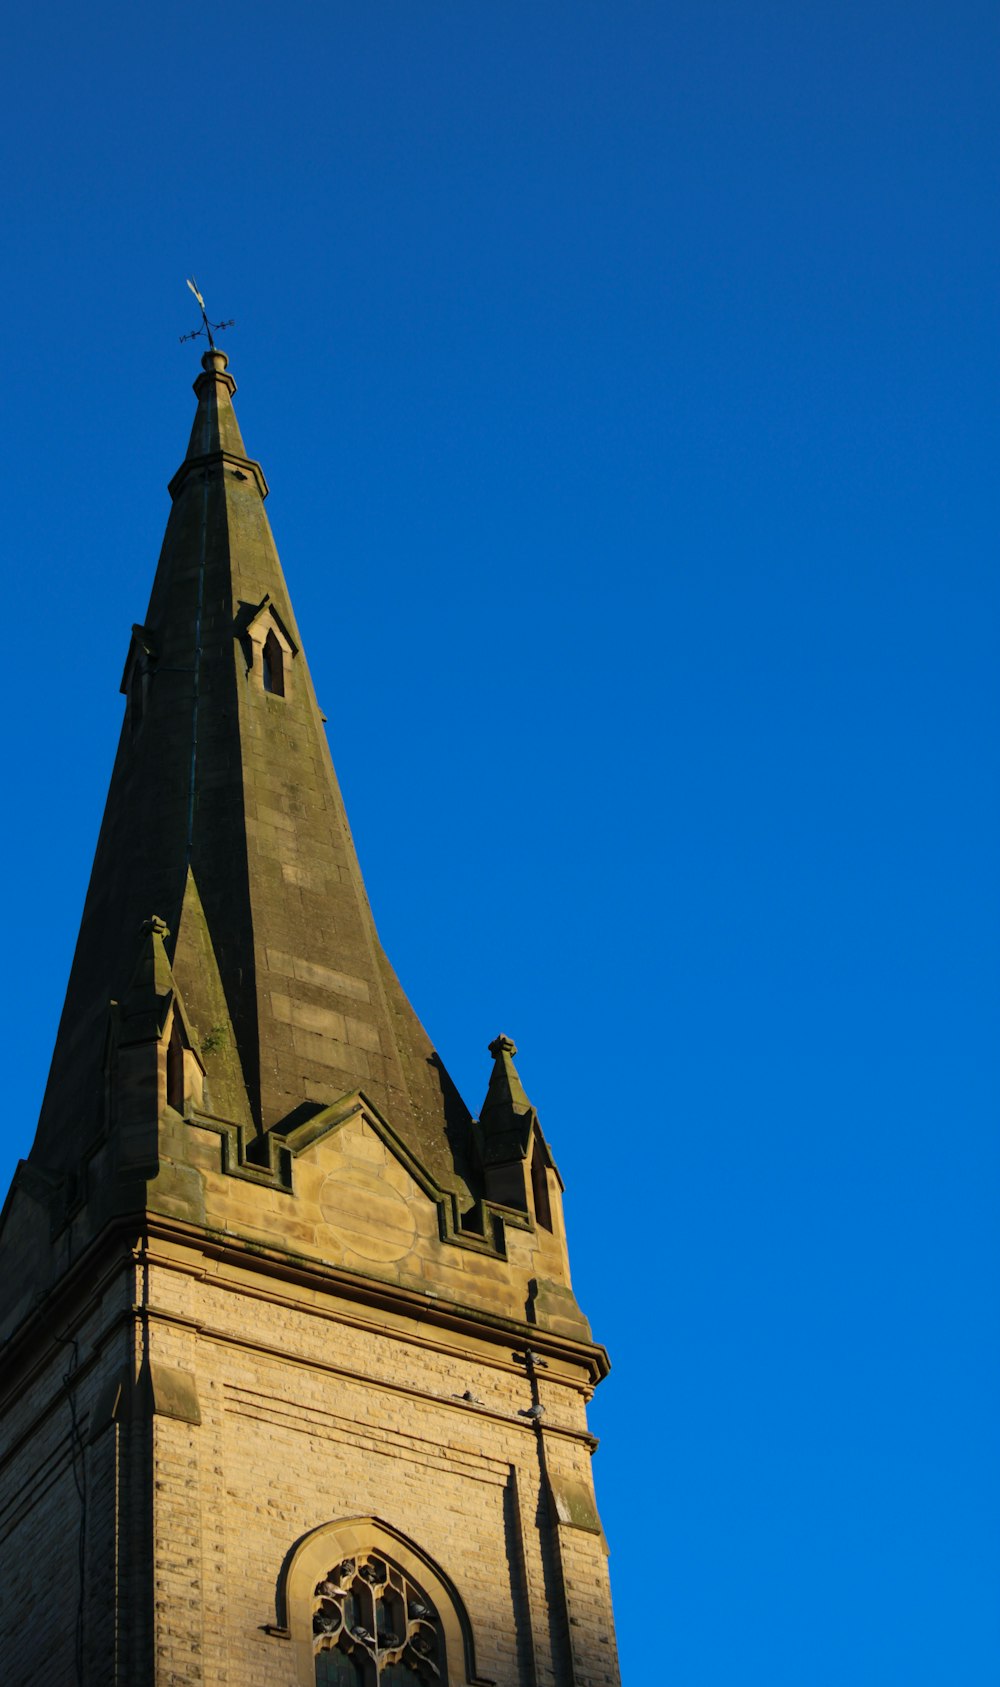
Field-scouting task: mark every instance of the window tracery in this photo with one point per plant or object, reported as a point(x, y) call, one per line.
point(373, 1626)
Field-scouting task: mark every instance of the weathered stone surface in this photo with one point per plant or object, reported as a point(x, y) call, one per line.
point(268, 1297)
point(225, 859)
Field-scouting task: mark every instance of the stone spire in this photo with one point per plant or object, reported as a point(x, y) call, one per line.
point(514, 1155)
point(224, 819)
point(507, 1115)
point(258, 1232)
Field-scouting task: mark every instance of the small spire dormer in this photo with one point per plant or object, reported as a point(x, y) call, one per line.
point(269, 648)
point(137, 676)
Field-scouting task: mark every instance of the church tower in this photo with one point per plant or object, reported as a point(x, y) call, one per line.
point(293, 1384)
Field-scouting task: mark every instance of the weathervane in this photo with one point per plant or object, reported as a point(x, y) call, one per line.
point(206, 325)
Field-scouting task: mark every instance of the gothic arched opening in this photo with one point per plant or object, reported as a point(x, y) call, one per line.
point(366, 1608)
point(273, 665)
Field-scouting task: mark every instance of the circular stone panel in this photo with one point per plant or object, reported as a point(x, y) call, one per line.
point(370, 1217)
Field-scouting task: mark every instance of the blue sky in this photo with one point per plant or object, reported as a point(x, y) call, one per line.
point(626, 378)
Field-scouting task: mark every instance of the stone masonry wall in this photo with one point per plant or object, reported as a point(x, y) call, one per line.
point(311, 1413)
point(222, 1413)
point(62, 1496)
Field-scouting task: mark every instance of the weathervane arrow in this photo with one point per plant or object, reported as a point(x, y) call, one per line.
point(207, 326)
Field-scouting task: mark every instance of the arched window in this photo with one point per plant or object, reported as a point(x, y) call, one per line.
point(365, 1607)
point(372, 1623)
point(273, 665)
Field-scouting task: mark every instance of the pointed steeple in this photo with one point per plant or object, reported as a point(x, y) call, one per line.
point(153, 1062)
point(507, 1115)
point(513, 1153)
point(147, 999)
point(256, 1206)
point(215, 432)
point(225, 815)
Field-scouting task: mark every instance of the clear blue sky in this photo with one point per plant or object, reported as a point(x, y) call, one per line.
point(626, 377)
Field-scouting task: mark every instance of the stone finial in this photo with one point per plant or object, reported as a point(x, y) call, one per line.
point(502, 1045)
point(213, 378)
point(214, 361)
point(155, 927)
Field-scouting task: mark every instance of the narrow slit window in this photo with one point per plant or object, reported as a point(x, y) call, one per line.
point(540, 1189)
point(175, 1069)
point(273, 665)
